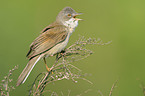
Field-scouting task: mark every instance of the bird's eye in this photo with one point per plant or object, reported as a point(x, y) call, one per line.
point(69, 15)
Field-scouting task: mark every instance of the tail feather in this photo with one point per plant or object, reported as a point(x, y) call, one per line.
point(27, 70)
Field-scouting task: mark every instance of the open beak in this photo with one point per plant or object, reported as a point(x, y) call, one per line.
point(77, 15)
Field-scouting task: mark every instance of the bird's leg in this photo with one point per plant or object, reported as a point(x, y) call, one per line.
point(57, 58)
point(48, 69)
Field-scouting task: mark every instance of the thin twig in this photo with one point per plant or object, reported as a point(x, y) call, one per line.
point(30, 91)
point(113, 86)
point(100, 93)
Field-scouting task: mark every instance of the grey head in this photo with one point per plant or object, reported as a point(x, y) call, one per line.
point(66, 14)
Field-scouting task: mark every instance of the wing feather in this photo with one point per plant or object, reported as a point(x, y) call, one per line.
point(47, 40)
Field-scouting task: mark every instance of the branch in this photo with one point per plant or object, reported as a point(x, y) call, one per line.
point(113, 86)
point(5, 88)
point(62, 67)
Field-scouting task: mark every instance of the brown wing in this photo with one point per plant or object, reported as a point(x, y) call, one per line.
point(47, 40)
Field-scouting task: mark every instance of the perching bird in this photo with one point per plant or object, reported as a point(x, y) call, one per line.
point(53, 39)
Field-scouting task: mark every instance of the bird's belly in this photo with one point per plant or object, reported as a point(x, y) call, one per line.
point(59, 47)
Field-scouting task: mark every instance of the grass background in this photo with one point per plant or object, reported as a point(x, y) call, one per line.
point(122, 21)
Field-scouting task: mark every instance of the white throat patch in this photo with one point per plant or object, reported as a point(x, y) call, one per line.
point(72, 23)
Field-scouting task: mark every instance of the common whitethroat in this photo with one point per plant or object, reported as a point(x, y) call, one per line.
point(53, 39)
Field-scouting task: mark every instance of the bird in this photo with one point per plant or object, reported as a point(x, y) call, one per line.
point(52, 39)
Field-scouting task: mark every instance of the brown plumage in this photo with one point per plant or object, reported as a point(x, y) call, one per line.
point(47, 40)
point(52, 40)
point(41, 45)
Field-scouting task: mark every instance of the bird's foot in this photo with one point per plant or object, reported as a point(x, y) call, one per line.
point(48, 69)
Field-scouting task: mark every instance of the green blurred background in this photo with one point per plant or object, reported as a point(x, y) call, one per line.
point(122, 21)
